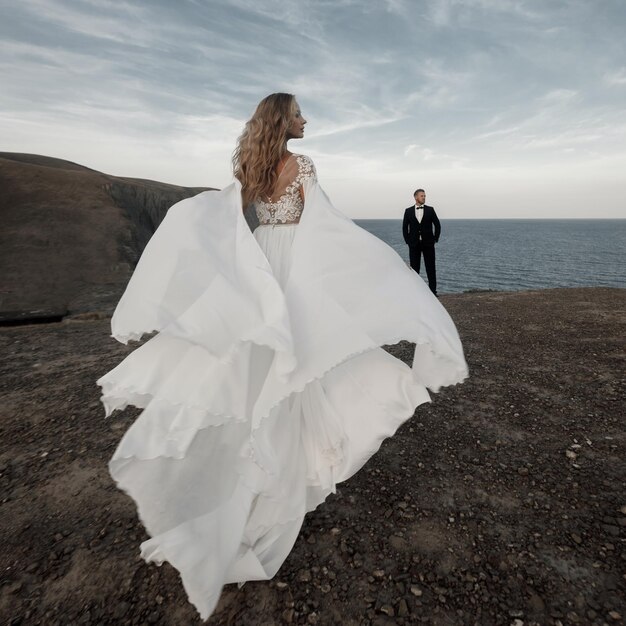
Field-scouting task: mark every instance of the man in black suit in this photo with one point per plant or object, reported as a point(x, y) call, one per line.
point(417, 229)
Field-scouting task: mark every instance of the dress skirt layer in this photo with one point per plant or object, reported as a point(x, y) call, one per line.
point(242, 434)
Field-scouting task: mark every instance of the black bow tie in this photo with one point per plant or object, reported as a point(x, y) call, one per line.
point(421, 206)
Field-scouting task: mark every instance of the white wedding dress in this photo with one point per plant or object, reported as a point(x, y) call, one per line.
point(266, 384)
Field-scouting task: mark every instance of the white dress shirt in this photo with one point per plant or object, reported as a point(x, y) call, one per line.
point(419, 212)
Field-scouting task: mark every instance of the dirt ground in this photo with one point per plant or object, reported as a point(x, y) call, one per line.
point(502, 502)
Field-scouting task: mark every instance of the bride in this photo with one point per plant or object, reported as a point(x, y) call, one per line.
point(266, 383)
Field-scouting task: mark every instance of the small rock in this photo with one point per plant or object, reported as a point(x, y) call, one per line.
point(288, 616)
point(281, 586)
point(159, 599)
point(304, 576)
point(325, 588)
point(15, 587)
point(570, 454)
point(577, 538)
point(536, 602)
point(387, 610)
point(611, 530)
point(120, 610)
point(615, 615)
point(334, 531)
point(522, 471)
point(378, 573)
point(397, 543)
point(403, 608)
point(416, 591)
point(312, 618)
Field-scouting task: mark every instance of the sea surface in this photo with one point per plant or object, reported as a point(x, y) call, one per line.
point(520, 254)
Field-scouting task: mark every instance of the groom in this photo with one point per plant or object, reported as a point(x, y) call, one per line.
point(417, 229)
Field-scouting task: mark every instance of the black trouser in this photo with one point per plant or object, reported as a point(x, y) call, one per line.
point(428, 250)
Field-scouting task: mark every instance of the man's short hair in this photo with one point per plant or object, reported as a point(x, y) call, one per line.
point(417, 191)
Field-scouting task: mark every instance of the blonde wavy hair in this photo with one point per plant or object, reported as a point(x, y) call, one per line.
point(261, 146)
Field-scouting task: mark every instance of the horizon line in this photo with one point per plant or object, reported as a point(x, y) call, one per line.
point(504, 219)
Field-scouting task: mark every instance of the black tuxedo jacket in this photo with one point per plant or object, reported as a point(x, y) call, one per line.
point(416, 233)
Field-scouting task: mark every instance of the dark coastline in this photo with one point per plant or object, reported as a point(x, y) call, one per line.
point(502, 500)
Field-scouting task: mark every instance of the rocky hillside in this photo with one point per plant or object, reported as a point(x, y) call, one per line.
point(71, 235)
point(501, 503)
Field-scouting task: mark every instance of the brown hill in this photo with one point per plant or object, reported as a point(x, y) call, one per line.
point(71, 235)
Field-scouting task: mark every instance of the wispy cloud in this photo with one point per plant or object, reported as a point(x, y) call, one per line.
point(121, 22)
point(616, 77)
point(464, 89)
point(558, 98)
point(446, 13)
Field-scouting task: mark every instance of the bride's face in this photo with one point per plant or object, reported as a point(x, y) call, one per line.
point(296, 126)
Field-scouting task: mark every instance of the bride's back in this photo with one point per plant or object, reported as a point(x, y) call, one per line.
point(285, 204)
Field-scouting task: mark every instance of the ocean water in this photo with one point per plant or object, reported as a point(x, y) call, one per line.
point(520, 254)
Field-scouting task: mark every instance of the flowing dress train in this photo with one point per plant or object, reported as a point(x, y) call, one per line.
point(266, 384)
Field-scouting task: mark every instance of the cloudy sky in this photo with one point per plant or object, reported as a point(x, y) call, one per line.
point(498, 108)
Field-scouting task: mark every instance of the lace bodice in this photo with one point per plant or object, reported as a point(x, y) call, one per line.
point(285, 206)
